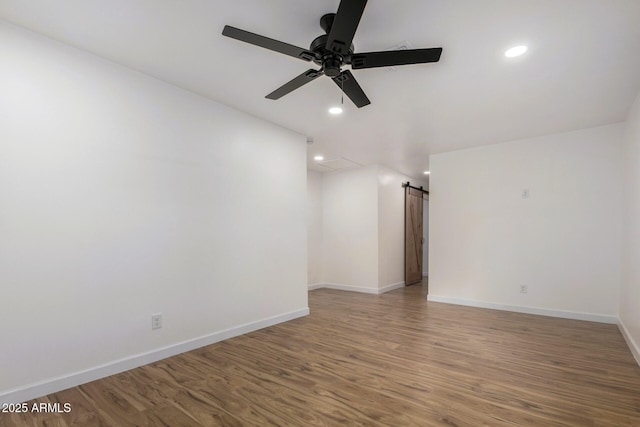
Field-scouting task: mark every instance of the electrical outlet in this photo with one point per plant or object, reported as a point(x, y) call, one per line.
point(523, 289)
point(156, 321)
point(525, 193)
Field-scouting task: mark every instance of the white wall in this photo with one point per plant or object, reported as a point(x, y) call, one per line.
point(314, 228)
point(123, 196)
point(630, 291)
point(391, 226)
point(350, 224)
point(425, 233)
point(563, 242)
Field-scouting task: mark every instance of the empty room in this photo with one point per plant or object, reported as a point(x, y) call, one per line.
point(329, 212)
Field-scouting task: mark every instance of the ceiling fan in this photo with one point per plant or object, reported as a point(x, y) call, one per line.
point(334, 50)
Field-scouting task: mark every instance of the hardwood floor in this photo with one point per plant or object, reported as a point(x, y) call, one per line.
point(387, 360)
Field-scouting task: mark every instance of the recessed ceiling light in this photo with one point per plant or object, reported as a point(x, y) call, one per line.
point(335, 110)
point(515, 51)
point(427, 172)
point(318, 158)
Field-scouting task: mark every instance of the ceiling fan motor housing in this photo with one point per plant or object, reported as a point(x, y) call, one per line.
point(331, 67)
point(330, 62)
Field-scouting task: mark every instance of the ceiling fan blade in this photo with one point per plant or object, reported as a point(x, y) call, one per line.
point(345, 25)
point(294, 84)
point(395, 57)
point(267, 43)
point(348, 83)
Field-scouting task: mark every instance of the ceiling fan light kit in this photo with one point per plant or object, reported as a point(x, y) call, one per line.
point(333, 51)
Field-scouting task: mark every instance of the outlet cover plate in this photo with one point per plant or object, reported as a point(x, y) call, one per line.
point(156, 321)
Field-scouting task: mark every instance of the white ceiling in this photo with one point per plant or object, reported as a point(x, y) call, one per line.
point(582, 68)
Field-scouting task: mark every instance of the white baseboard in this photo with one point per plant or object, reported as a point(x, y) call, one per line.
point(361, 289)
point(351, 288)
point(391, 287)
point(601, 318)
point(54, 385)
point(633, 346)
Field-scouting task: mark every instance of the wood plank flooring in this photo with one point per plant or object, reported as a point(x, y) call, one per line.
point(376, 360)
